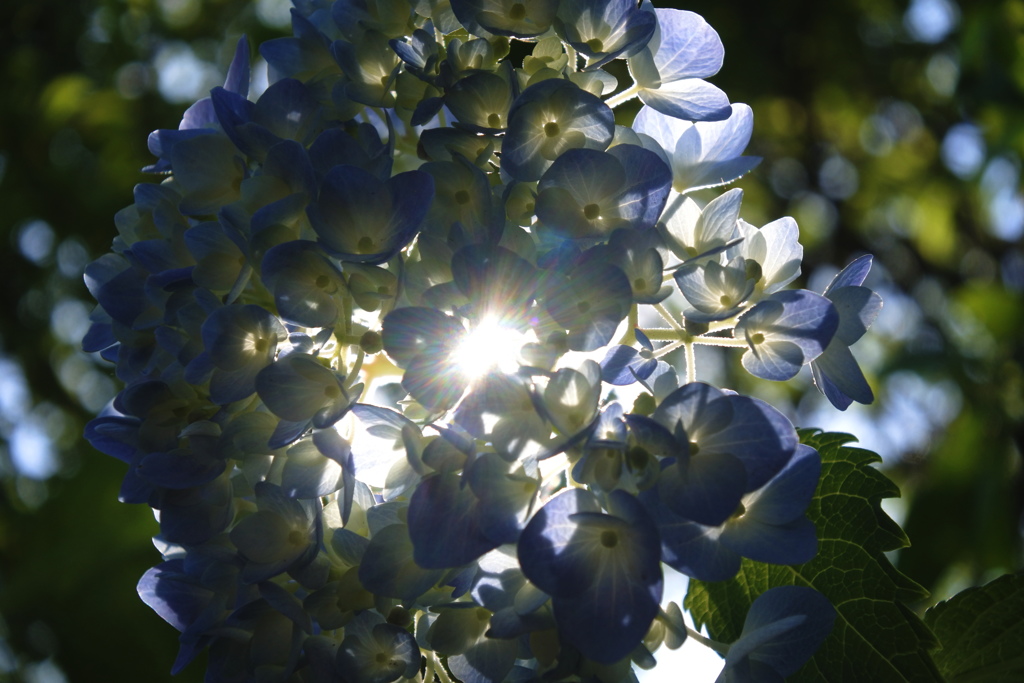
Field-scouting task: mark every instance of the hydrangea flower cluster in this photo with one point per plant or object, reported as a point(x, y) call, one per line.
point(392, 342)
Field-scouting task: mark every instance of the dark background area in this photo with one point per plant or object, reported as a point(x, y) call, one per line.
point(886, 126)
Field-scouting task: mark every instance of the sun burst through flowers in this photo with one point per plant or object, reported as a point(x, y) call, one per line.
point(490, 345)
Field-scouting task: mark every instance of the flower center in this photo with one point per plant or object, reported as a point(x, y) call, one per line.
point(366, 245)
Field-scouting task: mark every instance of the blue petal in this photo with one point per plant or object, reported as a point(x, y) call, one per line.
point(444, 523)
point(685, 46)
point(787, 319)
point(409, 331)
point(624, 365)
point(790, 543)
point(777, 361)
point(691, 548)
point(706, 490)
point(645, 191)
point(552, 101)
point(858, 307)
point(177, 597)
point(691, 99)
point(853, 275)
point(433, 378)
point(114, 435)
point(609, 620)
point(488, 661)
point(839, 378)
point(545, 548)
point(783, 628)
point(759, 435)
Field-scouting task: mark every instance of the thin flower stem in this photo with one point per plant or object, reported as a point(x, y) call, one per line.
point(665, 334)
point(346, 313)
point(665, 350)
point(428, 670)
point(720, 648)
point(629, 336)
point(623, 97)
point(357, 365)
point(442, 675)
point(721, 341)
point(667, 315)
point(691, 362)
point(723, 325)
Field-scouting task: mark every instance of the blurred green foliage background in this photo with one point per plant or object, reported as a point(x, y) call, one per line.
point(894, 127)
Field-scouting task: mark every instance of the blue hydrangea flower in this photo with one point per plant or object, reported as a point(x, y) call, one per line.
point(786, 331)
point(836, 373)
point(694, 235)
point(200, 115)
point(586, 193)
point(240, 341)
point(602, 569)
point(308, 289)
point(418, 177)
point(300, 388)
point(715, 291)
point(589, 302)
point(606, 30)
point(701, 154)
point(360, 218)
point(422, 341)
point(524, 19)
point(550, 118)
point(375, 651)
point(723, 446)
point(768, 525)
point(670, 70)
point(284, 533)
point(783, 628)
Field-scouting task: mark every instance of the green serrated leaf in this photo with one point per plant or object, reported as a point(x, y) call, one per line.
point(875, 637)
point(981, 632)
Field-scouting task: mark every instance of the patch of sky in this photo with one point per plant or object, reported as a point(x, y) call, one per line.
point(27, 429)
point(963, 150)
point(1004, 202)
point(912, 410)
point(274, 13)
point(69, 320)
point(930, 21)
point(35, 240)
point(259, 79)
point(181, 75)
